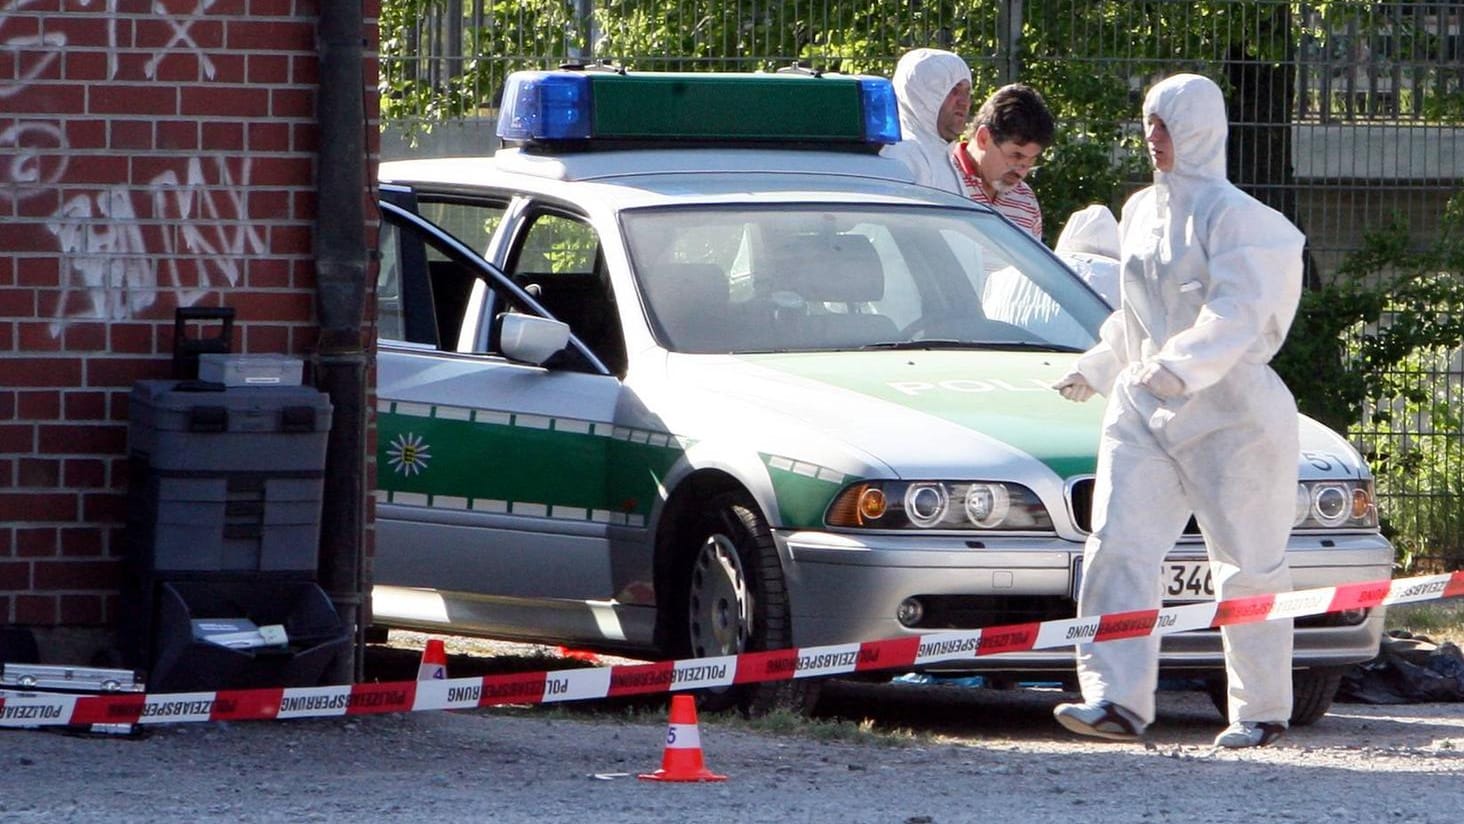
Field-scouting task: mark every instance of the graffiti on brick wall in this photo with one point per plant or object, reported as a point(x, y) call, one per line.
point(190, 242)
point(183, 233)
point(182, 36)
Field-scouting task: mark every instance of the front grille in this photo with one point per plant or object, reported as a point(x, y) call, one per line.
point(1080, 506)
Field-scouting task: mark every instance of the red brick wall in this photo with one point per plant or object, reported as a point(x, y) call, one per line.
point(153, 154)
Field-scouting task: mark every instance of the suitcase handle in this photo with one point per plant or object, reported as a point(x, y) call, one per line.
point(186, 350)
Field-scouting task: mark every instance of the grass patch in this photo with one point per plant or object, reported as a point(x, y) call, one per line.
point(1439, 620)
point(839, 730)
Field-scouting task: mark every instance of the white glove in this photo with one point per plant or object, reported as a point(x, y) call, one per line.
point(1161, 382)
point(1075, 387)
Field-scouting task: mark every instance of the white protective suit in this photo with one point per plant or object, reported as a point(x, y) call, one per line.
point(923, 80)
point(1089, 246)
point(1210, 283)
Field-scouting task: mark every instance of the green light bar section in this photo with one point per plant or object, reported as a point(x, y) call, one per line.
point(727, 107)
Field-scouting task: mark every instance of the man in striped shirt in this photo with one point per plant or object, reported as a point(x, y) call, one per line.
point(1001, 147)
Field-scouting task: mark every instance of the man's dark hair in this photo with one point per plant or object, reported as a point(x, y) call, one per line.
point(1016, 112)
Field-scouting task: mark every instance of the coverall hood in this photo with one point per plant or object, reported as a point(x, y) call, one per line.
point(923, 79)
point(1091, 230)
point(1193, 109)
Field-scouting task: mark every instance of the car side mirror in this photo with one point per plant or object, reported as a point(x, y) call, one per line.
point(530, 338)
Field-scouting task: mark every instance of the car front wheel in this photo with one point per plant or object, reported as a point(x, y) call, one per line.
point(737, 601)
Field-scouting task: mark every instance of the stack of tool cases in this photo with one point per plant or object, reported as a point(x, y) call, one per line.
point(223, 529)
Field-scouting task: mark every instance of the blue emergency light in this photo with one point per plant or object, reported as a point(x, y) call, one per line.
point(828, 109)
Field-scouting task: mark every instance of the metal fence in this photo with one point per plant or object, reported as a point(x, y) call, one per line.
point(1346, 116)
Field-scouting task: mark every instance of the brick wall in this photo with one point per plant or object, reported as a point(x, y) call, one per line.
point(153, 154)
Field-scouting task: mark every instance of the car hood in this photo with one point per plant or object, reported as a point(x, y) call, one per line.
point(917, 414)
point(920, 414)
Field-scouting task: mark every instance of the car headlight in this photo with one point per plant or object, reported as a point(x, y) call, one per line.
point(938, 505)
point(1335, 505)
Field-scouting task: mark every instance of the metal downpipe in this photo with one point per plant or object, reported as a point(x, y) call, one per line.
point(340, 277)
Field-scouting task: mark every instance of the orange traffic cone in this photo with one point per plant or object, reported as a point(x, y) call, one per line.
point(434, 661)
point(683, 757)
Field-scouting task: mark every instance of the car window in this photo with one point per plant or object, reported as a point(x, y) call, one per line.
point(472, 222)
point(817, 278)
point(438, 282)
point(390, 313)
point(556, 244)
point(557, 258)
point(425, 286)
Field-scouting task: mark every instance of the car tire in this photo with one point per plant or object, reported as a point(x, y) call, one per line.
point(1312, 693)
point(736, 601)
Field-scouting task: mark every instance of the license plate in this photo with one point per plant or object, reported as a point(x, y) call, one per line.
point(1183, 580)
point(1188, 581)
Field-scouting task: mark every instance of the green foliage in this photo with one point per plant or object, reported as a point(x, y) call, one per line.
point(425, 79)
point(1420, 469)
point(1361, 350)
point(1387, 303)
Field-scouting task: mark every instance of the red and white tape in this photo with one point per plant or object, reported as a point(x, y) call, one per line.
point(42, 709)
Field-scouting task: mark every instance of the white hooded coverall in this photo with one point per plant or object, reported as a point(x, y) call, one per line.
point(923, 80)
point(1210, 283)
point(1089, 246)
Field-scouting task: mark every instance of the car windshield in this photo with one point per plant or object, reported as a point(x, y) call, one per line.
point(790, 278)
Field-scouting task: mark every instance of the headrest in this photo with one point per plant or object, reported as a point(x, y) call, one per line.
point(847, 270)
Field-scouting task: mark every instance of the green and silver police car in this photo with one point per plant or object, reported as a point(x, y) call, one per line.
point(689, 369)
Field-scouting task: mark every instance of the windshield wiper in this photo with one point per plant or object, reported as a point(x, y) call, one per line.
point(933, 343)
point(1030, 346)
point(942, 343)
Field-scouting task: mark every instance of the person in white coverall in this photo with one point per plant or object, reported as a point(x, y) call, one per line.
point(1196, 421)
point(1089, 246)
point(933, 91)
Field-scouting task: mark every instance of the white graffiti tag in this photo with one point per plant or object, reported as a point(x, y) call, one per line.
point(182, 36)
point(110, 266)
point(106, 260)
point(32, 156)
point(184, 233)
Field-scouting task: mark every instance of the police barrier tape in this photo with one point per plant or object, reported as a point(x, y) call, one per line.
point(39, 709)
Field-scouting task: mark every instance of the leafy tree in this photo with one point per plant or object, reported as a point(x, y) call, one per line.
point(444, 61)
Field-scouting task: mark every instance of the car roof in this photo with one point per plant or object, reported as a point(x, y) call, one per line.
point(648, 177)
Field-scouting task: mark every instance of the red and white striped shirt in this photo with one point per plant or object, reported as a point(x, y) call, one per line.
point(1019, 204)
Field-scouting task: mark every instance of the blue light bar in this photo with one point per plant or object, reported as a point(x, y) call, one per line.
point(546, 106)
point(881, 112)
point(823, 111)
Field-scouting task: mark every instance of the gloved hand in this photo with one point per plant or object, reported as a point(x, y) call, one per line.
point(1075, 387)
point(1161, 382)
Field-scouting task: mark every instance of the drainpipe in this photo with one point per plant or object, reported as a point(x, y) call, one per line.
point(340, 284)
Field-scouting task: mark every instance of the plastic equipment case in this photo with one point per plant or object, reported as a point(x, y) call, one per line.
point(231, 479)
point(224, 502)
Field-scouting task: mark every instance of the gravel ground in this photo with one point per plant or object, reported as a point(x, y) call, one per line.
point(960, 755)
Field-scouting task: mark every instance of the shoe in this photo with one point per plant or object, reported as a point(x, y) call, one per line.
point(1100, 719)
point(1250, 734)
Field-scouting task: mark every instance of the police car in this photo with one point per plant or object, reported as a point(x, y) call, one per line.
point(689, 369)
